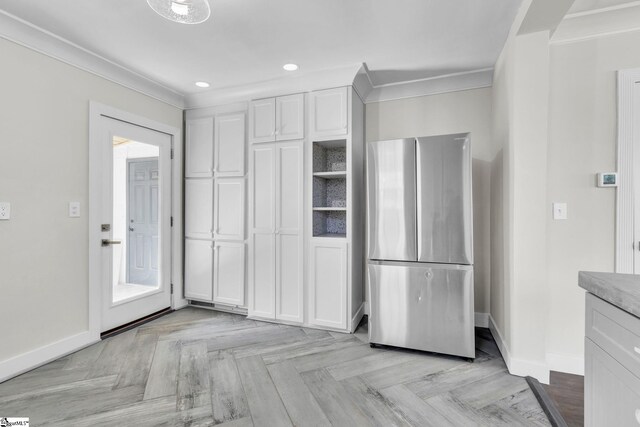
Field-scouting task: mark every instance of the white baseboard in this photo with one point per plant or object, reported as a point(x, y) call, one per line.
point(519, 367)
point(482, 320)
point(565, 363)
point(355, 321)
point(32, 359)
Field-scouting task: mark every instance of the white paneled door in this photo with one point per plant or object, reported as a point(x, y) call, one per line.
point(289, 247)
point(135, 211)
point(328, 283)
point(276, 231)
point(262, 225)
point(199, 148)
point(262, 125)
point(229, 145)
point(290, 117)
point(228, 267)
point(229, 209)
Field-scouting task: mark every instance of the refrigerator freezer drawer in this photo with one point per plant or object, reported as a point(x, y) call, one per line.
point(422, 306)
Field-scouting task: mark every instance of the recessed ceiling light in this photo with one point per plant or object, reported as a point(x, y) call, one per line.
point(290, 67)
point(202, 84)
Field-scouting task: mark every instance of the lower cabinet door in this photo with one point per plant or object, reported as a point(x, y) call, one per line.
point(289, 278)
point(262, 283)
point(228, 273)
point(612, 393)
point(328, 283)
point(198, 270)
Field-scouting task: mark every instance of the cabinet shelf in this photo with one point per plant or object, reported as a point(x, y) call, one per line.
point(331, 175)
point(332, 236)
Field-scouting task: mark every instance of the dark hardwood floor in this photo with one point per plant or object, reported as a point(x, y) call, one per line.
point(567, 391)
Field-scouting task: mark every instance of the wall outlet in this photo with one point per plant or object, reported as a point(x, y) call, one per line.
point(74, 209)
point(5, 210)
point(559, 211)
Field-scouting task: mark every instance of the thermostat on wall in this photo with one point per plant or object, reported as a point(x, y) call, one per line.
point(608, 179)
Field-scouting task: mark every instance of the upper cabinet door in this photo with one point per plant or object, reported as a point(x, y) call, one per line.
point(262, 120)
point(290, 117)
point(229, 145)
point(329, 112)
point(199, 148)
point(229, 209)
point(198, 222)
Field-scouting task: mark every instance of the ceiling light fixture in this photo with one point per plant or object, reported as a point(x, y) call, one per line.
point(290, 67)
point(182, 11)
point(202, 84)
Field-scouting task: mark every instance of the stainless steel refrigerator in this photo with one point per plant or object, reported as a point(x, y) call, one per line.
point(420, 234)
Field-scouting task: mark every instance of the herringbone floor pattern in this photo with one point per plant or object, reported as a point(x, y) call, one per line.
point(198, 368)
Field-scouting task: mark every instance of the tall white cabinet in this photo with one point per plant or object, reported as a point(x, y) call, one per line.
point(336, 209)
point(215, 206)
point(276, 274)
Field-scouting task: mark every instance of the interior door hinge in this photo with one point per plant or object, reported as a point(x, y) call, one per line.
point(172, 221)
point(172, 289)
point(172, 154)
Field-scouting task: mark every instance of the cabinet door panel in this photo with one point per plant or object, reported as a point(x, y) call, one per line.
point(328, 284)
point(199, 148)
point(289, 278)
point(263, 188)
point(612, 393)
point(289, 163)
point(229, 209)
point(290, 117)
point(329, 113)
point(229, 145)
point(228, 279)
point(262, 120)
point(199, 208)
point(198, 270)
point(262, 286)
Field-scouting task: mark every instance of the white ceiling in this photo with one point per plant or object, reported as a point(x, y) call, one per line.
point(248, 41)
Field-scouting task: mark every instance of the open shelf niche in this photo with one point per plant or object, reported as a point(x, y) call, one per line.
point(330, 188)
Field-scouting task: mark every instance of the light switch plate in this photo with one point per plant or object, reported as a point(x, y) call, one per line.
point(559, 211)
point(74, 209)
point(5, 210)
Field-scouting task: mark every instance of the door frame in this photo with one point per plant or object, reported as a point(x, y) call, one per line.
point(628, 84)
point(96, 112)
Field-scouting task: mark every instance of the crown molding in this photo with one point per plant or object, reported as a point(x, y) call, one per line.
point(35, 38)
point(598, 23)
point(306, 82)
point(475, 79)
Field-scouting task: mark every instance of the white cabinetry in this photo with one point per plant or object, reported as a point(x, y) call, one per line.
point(335, 170)
point(612, 365)
point(330, 112)
point(215, 208)
point(276, 239)
point(198, 269)
point(199, 148)
point(328, 283)
point(229, 209)
point(228, 277)
point(229, 145)
point(276, 119)
point(199, 209)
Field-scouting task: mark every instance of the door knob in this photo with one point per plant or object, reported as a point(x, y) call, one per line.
point(131, 229)
point(107, 242)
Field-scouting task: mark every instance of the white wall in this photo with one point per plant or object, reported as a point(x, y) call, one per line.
point(44, 133)
point(582, 142)
point(456, 112)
